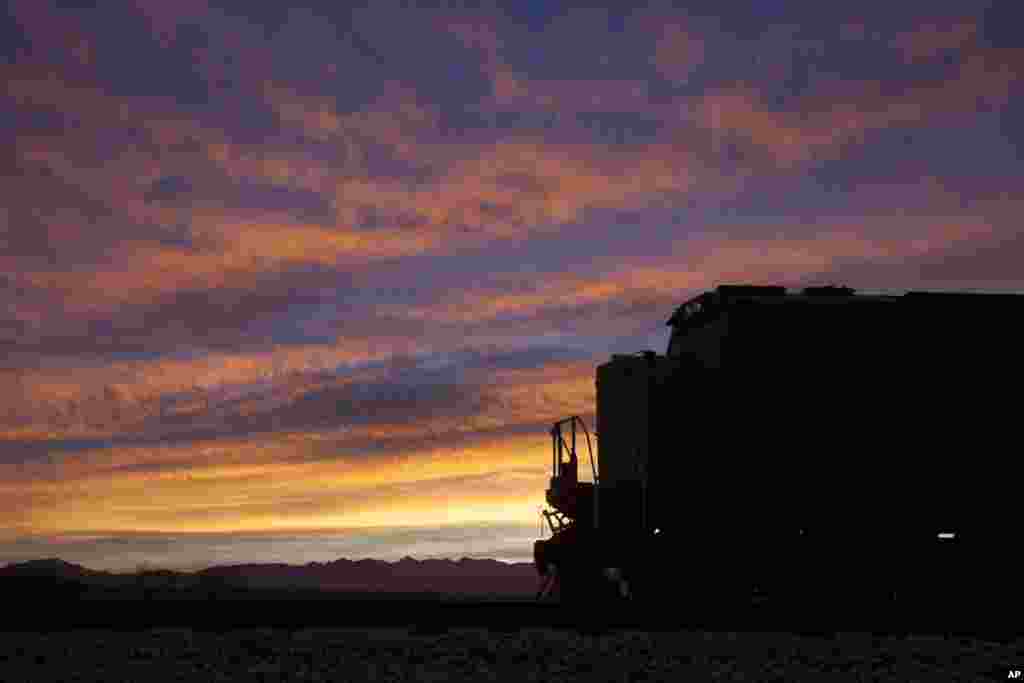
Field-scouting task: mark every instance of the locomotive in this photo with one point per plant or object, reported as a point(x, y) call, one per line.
point(796, 444)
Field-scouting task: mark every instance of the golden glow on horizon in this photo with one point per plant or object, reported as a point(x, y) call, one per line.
point(445, 485)
point(522, 510)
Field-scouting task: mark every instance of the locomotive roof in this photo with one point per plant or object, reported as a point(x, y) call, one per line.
point(707, 305)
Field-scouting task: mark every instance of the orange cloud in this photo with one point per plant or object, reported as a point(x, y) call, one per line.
point(788, 140)
point(559, 182)
point(244, 242)
point(119, 398)
point(541, 183)
point(130, 400)
point(240, 251)
point(553, 185)
point(237, 495)
point(550, 184)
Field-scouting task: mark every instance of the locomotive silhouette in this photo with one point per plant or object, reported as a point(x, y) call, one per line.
point(802, 445)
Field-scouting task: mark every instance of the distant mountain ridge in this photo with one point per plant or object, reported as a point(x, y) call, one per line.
point(466, 576)
point(48, 567)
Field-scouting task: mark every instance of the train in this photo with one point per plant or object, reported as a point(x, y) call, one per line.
point(796, 445)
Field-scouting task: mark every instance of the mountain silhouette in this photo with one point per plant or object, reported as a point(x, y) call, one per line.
point(464, 577)
point(50, 567)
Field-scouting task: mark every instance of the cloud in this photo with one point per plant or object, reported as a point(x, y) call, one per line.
point(496, 190)
point(678, 52)
point(381, 408)
point(931, 40)
point(294, 259)
point(297, 495)
point(820, 124)
point(396, 120)
point(738, 253)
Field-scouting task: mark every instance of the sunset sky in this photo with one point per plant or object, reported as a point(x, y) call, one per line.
point(293, 285)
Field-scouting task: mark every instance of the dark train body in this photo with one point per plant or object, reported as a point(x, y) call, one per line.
point(821, 443)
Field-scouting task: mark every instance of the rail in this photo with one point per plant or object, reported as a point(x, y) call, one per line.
point(559, 446)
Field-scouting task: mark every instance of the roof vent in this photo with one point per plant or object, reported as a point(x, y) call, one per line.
point(830, 290)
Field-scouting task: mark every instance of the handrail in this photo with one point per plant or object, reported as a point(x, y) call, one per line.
point(557, 438)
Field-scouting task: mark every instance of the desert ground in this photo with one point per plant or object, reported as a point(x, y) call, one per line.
point(468, 654)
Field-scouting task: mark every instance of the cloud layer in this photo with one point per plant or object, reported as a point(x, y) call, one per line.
point(331, 267)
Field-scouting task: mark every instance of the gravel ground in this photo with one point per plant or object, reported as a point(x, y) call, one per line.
point(478, 655)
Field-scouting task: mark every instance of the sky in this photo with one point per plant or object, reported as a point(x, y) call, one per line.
point(297, 284)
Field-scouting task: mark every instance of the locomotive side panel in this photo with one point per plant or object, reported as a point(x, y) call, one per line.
point(867, 419)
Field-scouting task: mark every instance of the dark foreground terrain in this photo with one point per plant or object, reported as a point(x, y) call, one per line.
point(70, 630)
point(62, 604)
point(478, 654)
